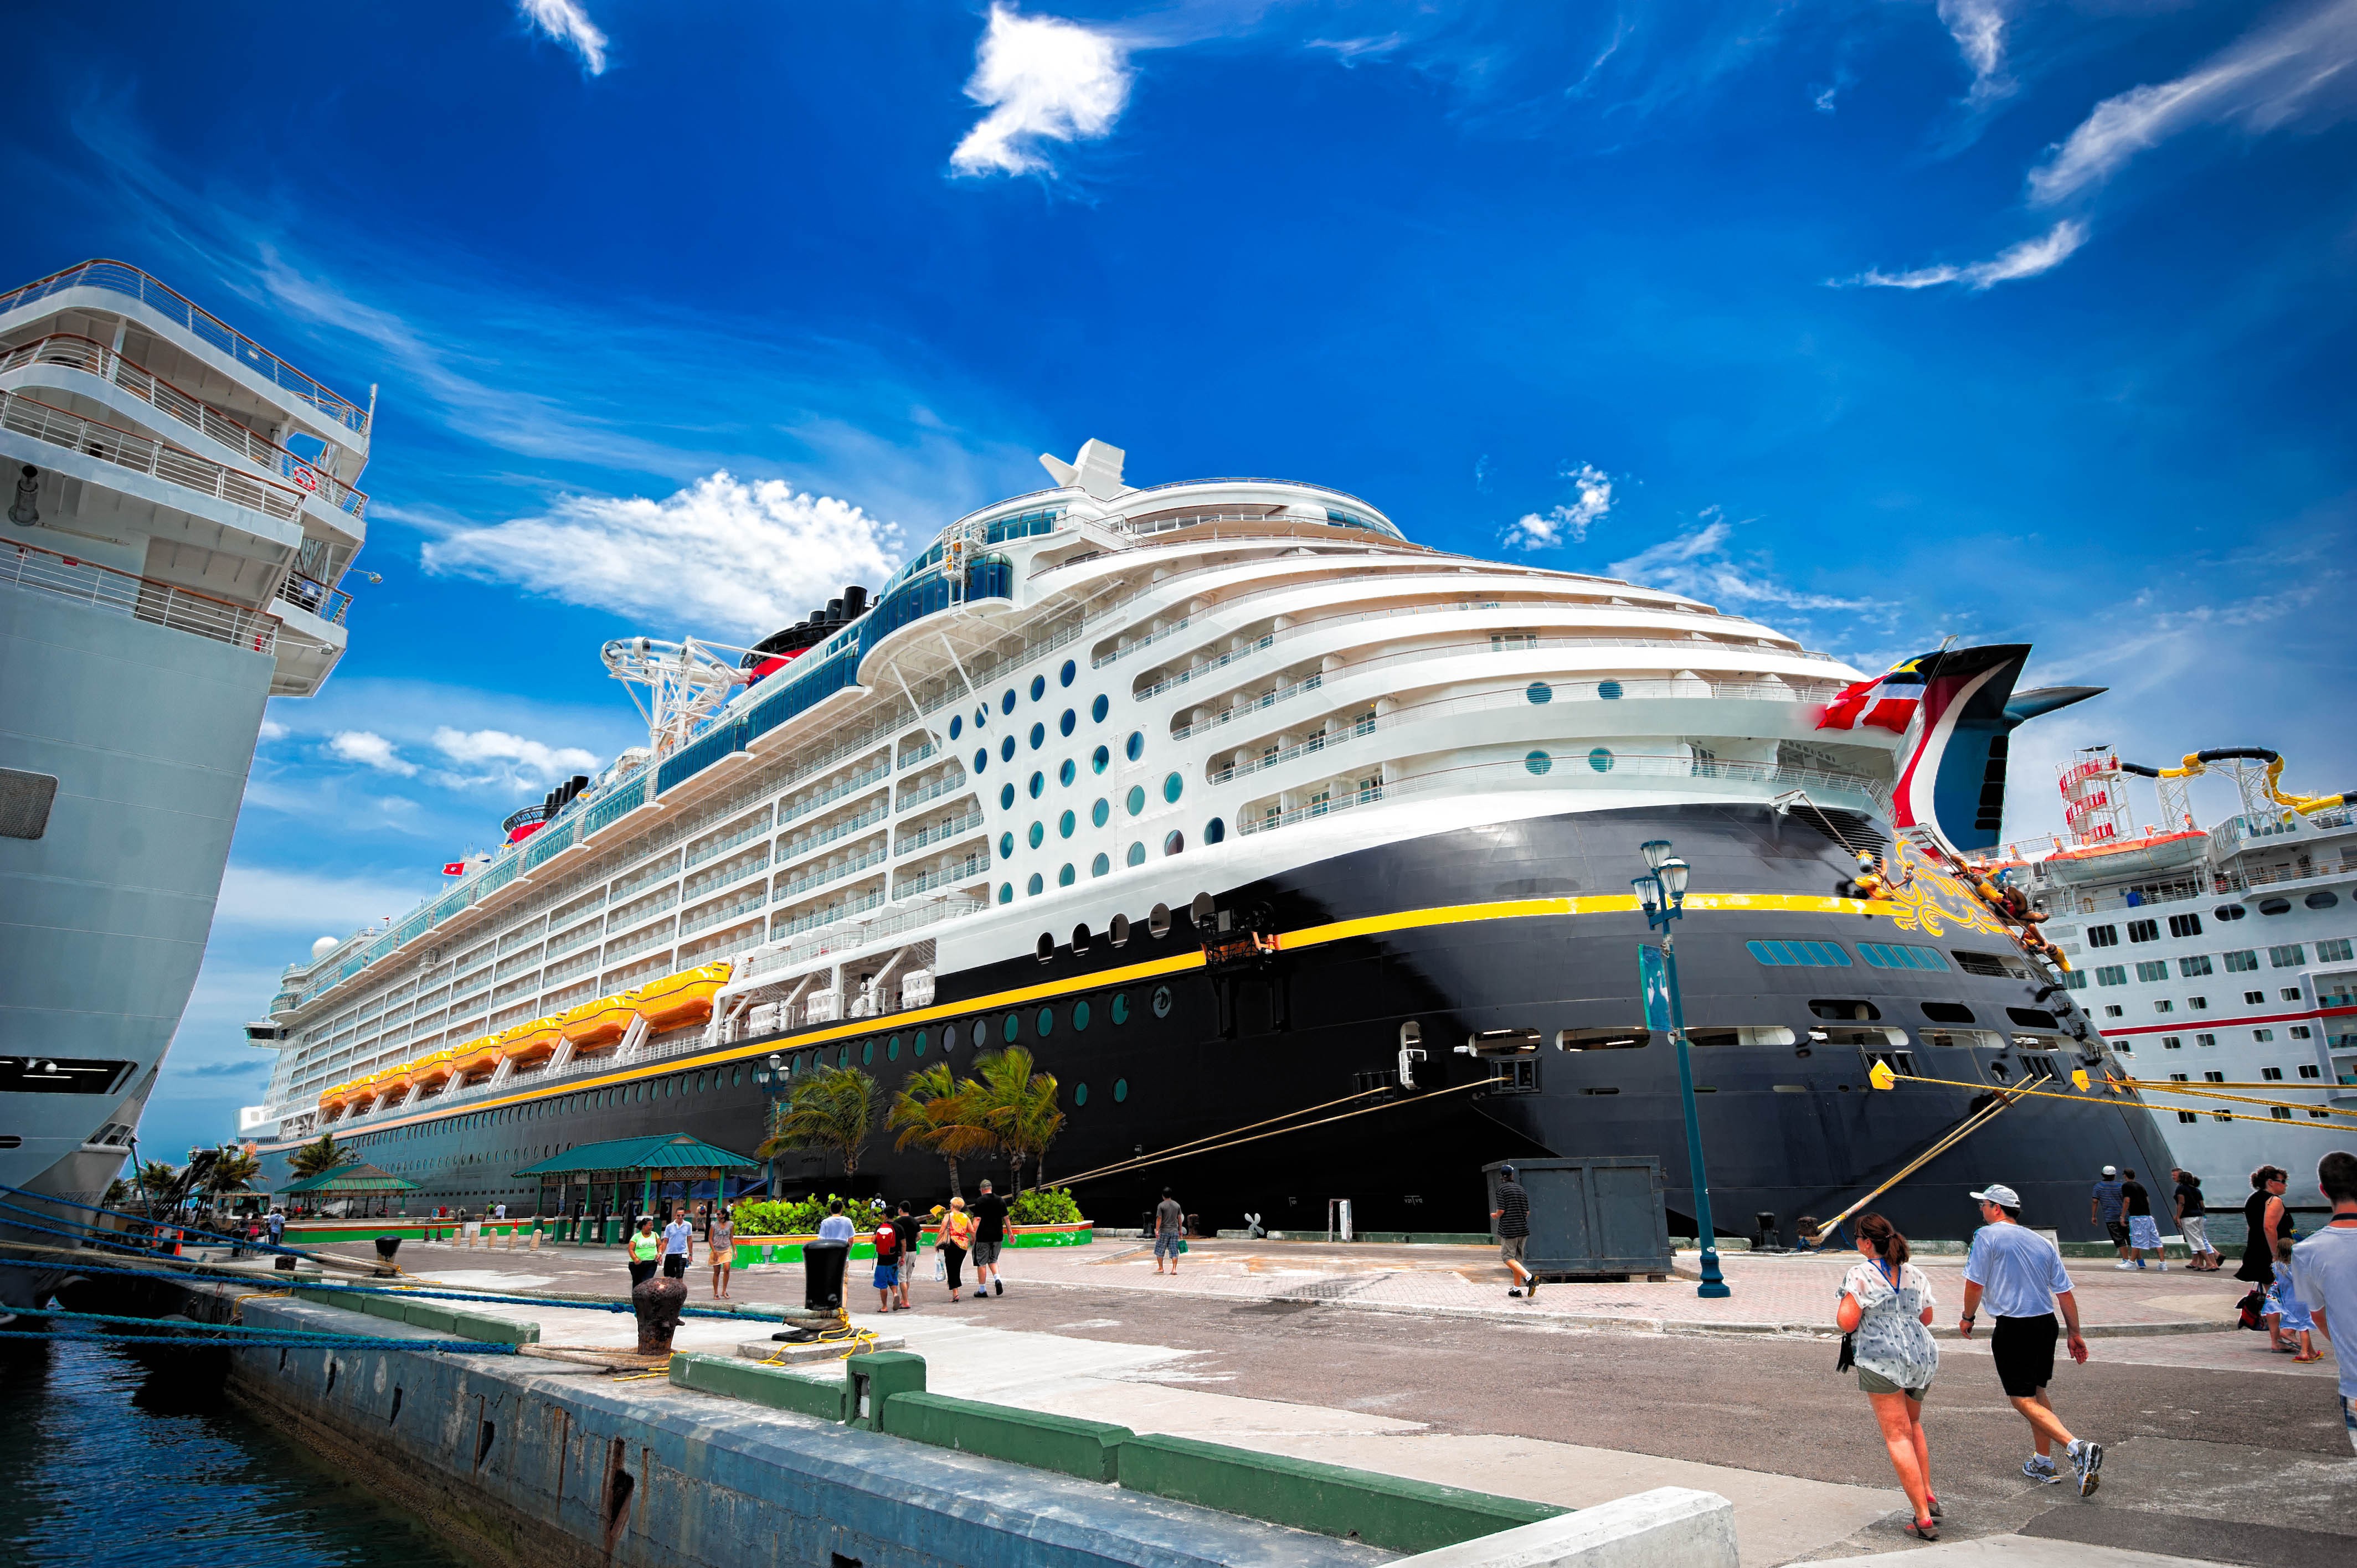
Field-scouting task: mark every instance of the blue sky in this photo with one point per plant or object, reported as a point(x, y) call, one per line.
point(1882, 320)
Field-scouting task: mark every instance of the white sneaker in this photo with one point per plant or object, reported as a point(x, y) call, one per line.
point(2163, 1267)
point(2041, 1469)
point(2124, 1263)
point(2086, 1459)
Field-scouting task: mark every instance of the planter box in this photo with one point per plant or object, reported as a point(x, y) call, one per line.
point(755, 1251)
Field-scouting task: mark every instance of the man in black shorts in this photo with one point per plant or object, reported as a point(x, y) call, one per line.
point(2020, 1274)
point(989, 1234)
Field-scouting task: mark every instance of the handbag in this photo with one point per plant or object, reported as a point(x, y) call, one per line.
point(1182, 1243)
point(1848, 1354)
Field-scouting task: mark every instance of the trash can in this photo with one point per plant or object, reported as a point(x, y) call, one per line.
point(823, 1266)
point(1601, 1217)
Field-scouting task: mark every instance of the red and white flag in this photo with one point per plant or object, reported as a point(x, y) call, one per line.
point(1887, 701)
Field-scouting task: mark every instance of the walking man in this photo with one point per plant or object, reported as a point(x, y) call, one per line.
point(989, 1232)
point(2144, 1233)
point(2324, 1272)
point(2020, 1274)
point(2108, 1208)
point(2193, 1224)
point(1170, 1231)
point(277, 1227)
point(1512, 1217)
point(911, 1230)
point(678, 1244)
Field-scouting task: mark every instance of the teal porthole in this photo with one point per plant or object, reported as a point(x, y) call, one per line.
point(1006, 892)
point(1081, 1013)
point(1069, 722)
point(957, 723)
point(1172, 787)
point(1135, 800)
point(1136, 856)
point(1135, 747)
point(921, 1042)
point(1080, 1094)
point(1013, 1027)
point(1038, 833)
point(1066, 771)
point(843, 1057)
point(982, 759)
point(1006, 846)
point(1608, 690)
point(1601, 759)
point(1046, 1022)
point(1099, 759)
point(1121, 1007)
point(1064, 877)
point(1039, 737)
point(1100, 865)
point(1038, 687)
point(1006, 749)
point(1065, 824)
point(1038, 785)
point(1065, 676)
point(1215, 832)
point(1538, 762)
point(1162, 1001)
point(1120, 1090)
point(1007, 796)
point(1101, 812)
point(892, 1049)
point(1098, 709)
point(1037, 885)
point(866, 1052)
point(1539, 691)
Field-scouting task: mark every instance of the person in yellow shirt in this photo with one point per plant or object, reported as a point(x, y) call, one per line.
point(646, 1251)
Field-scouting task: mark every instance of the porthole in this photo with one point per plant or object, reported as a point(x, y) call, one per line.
point(1172, 787)
point(1173, 842)
point(2275, 905)
point(892, 1049)
point(982, 716)
point(1038, 832)
point(1101, 812)
point(1099, 759)
point(1081, 1090)
point(1135, 747)
point(1038, 687)
point(1136, 856)
point(1038, 785)
point(1007, 796)
point(1066, 771)
point(919, 1043)
point(1007, 847)
point(1039, 737)
point(843, 1057)
point(1538, 762)
point(1120, 1008)
point(1037, 885)
point(1081, 1013)
point(949, 1038)
point(1120, 1090)
point(1069, 723)
point(1098, 709)
point(737, 1078)
point(2229, 912)
point(1215, 832)
point(1599, 759)
point(1608, 690)
point(1006, 749)
point(1065, 824)
point(866, 1052)
point(2321, 900)
point(1070, 672)
point(1135, 800)
point(1100, 865)
point(1066, 875)
point(1006, 702)
point(1539, 691)
point(982, 759)
point(1006, 892)
point(957, 723)
point(1046, 1022)
point(1158, 920)
point(1013, 1028)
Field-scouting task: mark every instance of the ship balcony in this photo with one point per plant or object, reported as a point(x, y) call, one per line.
point(734, 869)
point(35, 569)
point(833, 790)
point(810, 918)
point(955, 874)
point(947, 782)
point(791, 849)
point(859, 859)
point(728, 838)
point(967, 823)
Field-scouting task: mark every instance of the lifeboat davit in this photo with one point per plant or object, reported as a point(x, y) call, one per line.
point(594, 1026)
point(677, 1001)
point(2113, 857)
point(432, 1069)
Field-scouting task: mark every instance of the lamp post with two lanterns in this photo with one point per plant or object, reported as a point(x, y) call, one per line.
point(776, 1083)
point(1662, 892)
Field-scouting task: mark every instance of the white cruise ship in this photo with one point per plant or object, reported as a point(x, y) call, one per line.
point(2214, 956)
point(1228, 800)
point(181, 512)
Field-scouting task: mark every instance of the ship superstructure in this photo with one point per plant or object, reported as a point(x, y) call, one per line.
point(182, 513)
point(2220, 955)
point(1224, 799)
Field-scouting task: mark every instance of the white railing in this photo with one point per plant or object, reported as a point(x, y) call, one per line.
point(833, 792)
point(722, 875)
point(926, 881)
point(329, 604)
point(826, 916)
point(933, 792)
point(177, 308)
point(755, 827)
point(146, 454)
point(31, 567)
point(704, 920)
point(820, 877)
point(938, 832)
point(94, 358)
point(631, 946)
point(869, 931)
point(826, 835)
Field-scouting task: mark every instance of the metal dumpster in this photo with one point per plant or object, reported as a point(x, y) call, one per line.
point(1601, 1217)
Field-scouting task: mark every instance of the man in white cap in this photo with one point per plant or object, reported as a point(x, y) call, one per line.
point(2019, 1273)
point(2107, 1206)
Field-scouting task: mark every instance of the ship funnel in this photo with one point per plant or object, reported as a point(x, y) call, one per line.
point(855, 602)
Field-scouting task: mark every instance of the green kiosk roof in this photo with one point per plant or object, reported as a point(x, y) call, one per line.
point(348, 1180)
point(663, 1152)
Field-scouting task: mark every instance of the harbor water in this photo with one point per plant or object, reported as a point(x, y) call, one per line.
point(104, 1461)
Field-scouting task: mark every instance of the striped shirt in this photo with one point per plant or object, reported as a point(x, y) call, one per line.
point(1513, 1209)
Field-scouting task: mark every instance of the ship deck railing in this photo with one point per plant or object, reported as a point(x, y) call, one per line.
point(175, 308)
point(31, 567)
point(147, 455)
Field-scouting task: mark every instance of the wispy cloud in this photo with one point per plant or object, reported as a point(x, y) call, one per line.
point(2026, 259)
point(371, 750)
point(568, 24)
point(1567, 524)
point(1702, 564)
point(511, 761)
point(322, 906)
point(1043, 79)
point(722, 557)
point(2300, 65)
point(1978, 27)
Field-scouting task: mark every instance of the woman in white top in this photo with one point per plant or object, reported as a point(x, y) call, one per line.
point(1885, 1308)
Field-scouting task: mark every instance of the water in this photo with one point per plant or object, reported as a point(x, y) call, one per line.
point(101, 1461)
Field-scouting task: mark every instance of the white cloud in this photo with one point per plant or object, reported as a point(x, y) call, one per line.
point(720, 558)
point(2299, 65)
point(371, 750)
point(1564, 524)
point(569, 24)
point(2026, 259)
point(273, 730)
point(1700, 565)
point(511, 760)
point(1978, 27)
point(315, 905)
point(1043, 79)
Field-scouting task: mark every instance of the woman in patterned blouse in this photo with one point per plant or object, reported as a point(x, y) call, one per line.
point(1885, 1308)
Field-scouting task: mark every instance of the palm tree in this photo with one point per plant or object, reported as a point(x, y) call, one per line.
point(834, 1110)
point(934, 1111)
point(231, 1172)
point(314, 1159)
point(157, 1176)
point(1018, 1106)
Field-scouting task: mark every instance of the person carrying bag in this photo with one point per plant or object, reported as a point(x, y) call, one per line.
point(1885, 1312)
point(957, 1235)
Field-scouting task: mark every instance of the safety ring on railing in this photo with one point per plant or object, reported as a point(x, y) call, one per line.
point(305, 478)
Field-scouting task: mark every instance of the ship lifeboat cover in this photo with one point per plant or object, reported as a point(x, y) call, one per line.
point(599, 1023)
point(677, 1001)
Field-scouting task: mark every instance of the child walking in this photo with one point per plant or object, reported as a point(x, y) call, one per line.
point(2291, 1327)
point(887, 1263)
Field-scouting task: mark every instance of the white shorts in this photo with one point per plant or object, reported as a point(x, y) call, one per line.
point(2195, 1227)
point(2144, 1233)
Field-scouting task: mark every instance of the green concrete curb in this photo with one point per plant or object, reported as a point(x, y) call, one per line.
point(1088, 1449)
point(775, 1387)
point(431, 1314)
point(1386, 1511)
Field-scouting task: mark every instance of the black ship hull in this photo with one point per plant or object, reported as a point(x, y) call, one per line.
point(1450, 937)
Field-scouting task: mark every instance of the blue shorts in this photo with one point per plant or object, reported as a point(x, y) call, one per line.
point(888, 1276)
point(1166, 1247)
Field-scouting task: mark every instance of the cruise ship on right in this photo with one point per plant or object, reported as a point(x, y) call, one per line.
point(2224, 958)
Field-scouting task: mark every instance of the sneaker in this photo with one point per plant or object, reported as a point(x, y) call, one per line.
point(1517, 1291)
point(2124, 1263)
point(2162, 1266)
point(998, 1285)
point(2139, 1262)
point(2041, 1469)
point(2087, 1459)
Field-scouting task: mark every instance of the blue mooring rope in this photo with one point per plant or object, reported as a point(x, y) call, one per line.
point(267, 1339)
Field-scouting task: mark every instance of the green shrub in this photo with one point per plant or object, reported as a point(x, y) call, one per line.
point(1045, 1206)
point(801, 1217)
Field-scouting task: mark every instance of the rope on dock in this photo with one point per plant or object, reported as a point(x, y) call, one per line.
point(262, 1339)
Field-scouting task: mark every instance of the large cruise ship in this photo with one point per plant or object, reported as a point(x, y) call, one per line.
point(2219, 956)
point(181, 512)
point(1245, 815)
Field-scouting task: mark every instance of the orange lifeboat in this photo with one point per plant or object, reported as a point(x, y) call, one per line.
point(677, 1001)
point(431, 1070)
point(594, 1026)
point(476, 1056)
point(529, 1045)
point(336, 1097)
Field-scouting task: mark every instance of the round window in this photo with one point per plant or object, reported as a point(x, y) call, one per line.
point(921, 1042)
point(1215, 832)
point(843, 1057)
point(867, 1051)
point(1080, 1094)
point(1006, 702)
point(1120, 1090)
point(1173, 842)
point(1006, 892)
point(1608, 690)
point(1136, 856)
point(2229, 912)
point(1014, 1028)
point(982, 716)
point(1070, 672)
point(1538, 762)
point(1046, 1022)
point(1038, 687)
point(1064, 877)
point(1069, 723)
point(1067, 771)
point(1007, 796)
point(892, 1049)
point(1098, 709)
point(1137, 799)
point(1006, 749)
point(956, 724)
point(2321, 900)
point(1037, 885)
point(949, 1036)
point(2275, 905)
point(1121, 1007)
point(1006, 846)
point(1101, 811)
point(1539, 691)
point(1038, 785)
point(982, 759)
point(1038, 832)
point(1099, 759)
point(1065, 824)
point(1135, 747)
point(1599, 759)
point(1162, 1001)
point(1081, 1013)
point(1172, 787)
point(1039, 737)
point(1100, 865)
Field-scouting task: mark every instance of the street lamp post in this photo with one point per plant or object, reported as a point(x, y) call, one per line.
point(775, 1083)
point(1661, 891)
